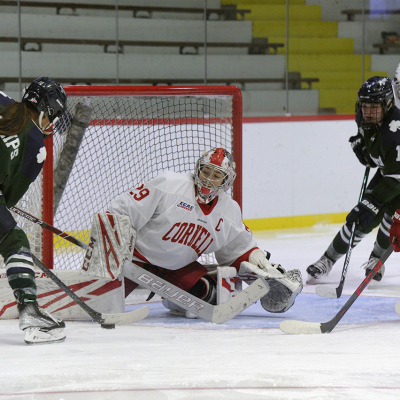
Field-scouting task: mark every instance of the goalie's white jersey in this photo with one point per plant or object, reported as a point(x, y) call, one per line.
point(172, 229)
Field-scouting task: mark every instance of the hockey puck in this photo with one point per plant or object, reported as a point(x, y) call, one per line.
point(108, 326)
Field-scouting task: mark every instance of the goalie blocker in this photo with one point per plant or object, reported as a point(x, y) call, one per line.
point(111, 245)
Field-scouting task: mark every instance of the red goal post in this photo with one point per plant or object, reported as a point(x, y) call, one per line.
point(113, 138)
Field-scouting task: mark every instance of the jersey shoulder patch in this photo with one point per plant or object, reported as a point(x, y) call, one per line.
point(391, 129)
point(394, 125)
point(35, 153)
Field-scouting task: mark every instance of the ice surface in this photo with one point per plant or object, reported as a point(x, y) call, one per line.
point(168, 357)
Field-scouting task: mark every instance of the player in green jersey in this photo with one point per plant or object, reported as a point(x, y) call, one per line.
point(23, 127)
point(376, 144)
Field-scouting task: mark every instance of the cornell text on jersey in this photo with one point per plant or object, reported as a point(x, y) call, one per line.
point(195, 236)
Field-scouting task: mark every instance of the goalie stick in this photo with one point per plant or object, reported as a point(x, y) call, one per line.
point(300, 327)
point(107, 321)
point(335, 293)
point(216, 314)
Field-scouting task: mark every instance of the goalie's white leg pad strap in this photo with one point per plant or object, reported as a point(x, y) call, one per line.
point(112, 240)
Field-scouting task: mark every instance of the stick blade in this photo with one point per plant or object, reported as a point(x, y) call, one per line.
point(251, 294)
point(397, 308)
point(300, 327)
point(326, 291)
point(127, 317)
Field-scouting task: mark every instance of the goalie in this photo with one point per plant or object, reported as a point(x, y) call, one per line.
point(179, 217)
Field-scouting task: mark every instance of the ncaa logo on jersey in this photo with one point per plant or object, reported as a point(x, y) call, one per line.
point(185, 206)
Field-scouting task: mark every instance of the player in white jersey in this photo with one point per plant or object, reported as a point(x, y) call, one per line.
point(179, 217)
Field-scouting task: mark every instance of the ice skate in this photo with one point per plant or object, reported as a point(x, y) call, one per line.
point(319, 269)
point(39, 326)
point(370, 264)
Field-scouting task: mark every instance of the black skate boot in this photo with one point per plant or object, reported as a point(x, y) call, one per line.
point(370, 264)
point(39, 326)
point(320, 268)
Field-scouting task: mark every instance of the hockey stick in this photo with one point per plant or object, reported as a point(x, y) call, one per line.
point(107, 321)
point(49, 227)
point(299, 327)
point(335, 293)
point(216, 314)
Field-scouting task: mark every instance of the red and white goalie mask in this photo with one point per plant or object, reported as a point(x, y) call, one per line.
point(214, 174)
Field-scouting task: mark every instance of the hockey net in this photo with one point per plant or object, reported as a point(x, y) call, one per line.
point(113, 139)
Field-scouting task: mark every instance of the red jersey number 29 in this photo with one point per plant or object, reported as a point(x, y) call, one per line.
point(143, 192)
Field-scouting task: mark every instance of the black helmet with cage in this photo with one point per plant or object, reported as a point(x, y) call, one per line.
point(48, 97)
point(375, 100)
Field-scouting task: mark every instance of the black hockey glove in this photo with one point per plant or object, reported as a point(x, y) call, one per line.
point(364, 212)
point(358, 146)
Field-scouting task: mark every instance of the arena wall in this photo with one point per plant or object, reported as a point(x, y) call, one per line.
point(299, 171)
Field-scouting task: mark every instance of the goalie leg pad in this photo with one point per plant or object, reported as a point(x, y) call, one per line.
point(112, 241)
point(283, 292)
point(228, 285)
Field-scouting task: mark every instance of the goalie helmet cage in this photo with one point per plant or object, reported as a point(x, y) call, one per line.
point(132, 135)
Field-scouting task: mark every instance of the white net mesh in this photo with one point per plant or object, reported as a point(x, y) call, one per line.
point(130, 139)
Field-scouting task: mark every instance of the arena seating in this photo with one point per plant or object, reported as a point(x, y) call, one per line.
point(79, 46)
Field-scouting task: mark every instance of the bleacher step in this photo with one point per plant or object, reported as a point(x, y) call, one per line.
point(271, 12)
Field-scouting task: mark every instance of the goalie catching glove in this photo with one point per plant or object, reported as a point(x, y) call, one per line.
point(284, 286)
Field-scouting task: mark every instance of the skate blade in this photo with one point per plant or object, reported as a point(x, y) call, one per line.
point(36, 336)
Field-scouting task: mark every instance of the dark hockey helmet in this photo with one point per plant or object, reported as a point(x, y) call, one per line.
point(48, 97)
point(376, 90)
